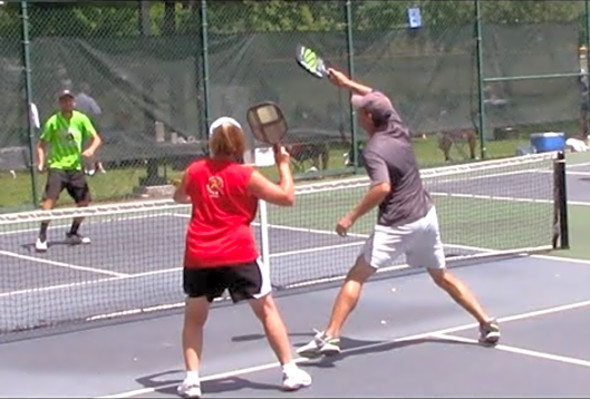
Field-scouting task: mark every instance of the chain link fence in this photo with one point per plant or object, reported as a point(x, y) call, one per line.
point(14, 153)
point(250, 63)
point(153, 75)
point(532, 78)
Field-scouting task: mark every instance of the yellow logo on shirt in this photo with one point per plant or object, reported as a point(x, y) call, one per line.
point(215, 186)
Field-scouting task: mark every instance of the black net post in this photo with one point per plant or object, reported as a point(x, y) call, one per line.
point(561, 232)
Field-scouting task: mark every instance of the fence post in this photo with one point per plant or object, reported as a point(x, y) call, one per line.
point(205, 63)
point(480, 78)
point(29, 99)
point(352, 113)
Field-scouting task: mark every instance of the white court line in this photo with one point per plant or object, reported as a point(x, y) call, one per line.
point(563, 259)
point(569, 173)
point(268, 366)
point(507, 199)
point(64, 265)
point(291, 228)
point(319, 249)
point(577, 165)
point(519, 351)
point(88, 222)
point(492, 197)
point(28, 291)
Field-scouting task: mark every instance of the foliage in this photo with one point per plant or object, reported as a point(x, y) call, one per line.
point(108, 18)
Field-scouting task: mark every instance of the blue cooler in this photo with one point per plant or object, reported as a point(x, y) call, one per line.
point(547, 142)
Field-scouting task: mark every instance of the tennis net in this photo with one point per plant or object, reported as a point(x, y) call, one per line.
point(133, 264)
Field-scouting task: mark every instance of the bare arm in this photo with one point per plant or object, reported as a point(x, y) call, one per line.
point(371, 199)
point(180, 194)
point(278, 194)
point(46, 135)
point(340, 79)
point(41, 152)
point(380, 188)
point(95, 140)
point(94, 144)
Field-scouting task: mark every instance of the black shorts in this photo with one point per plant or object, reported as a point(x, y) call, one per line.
point(244, 281)
point(74, 181)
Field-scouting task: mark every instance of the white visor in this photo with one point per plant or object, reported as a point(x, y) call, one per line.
point(220, 121)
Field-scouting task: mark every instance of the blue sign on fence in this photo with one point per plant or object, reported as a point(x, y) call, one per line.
point(414, 17)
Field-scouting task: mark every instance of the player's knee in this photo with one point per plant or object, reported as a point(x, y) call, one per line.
point(196, 312)
point(441, 277)
point(47, 204)
point(264, 307)
point(361, 271)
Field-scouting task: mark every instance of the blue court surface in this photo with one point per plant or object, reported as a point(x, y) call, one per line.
point(405, 339)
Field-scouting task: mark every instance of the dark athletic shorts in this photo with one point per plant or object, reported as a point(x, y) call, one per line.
point(74, 181)
point(243, 281)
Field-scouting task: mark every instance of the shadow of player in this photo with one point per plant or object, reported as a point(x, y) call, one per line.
point(352, 347)
point(257, 336)
point(168, 386)
point(30, 247)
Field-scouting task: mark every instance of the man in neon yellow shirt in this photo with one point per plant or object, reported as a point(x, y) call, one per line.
point(60, 149)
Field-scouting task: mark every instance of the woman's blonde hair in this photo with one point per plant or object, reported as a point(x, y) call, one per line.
point(227, 140)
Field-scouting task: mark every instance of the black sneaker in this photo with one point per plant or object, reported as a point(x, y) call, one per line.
point(76, 239)
point(489, 333)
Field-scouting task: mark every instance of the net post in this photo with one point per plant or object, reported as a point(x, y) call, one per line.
point(560, 203)
point(205, 63)
point(480, 79)
point(264, 244)
point(26, 57)
point(350, 59)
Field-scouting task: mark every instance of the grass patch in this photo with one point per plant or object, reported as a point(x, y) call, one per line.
point(118, 184)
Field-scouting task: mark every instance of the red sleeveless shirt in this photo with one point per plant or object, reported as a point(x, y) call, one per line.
point(219, 232)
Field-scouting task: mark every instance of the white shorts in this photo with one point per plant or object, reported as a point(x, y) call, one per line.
point(420, 241)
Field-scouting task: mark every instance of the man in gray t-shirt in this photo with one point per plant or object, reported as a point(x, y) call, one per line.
point(407, 222)
point(389, 158)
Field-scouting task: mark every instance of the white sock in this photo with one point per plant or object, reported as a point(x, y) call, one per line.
point(287, 367)
point(192, 376)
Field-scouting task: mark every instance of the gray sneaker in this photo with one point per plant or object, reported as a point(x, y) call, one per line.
point(489, 333)
point(320, 345)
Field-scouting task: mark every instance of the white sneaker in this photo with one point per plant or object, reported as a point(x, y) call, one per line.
point(41, 246)
point(320, 345)
point(295, 378)
point(189, 389)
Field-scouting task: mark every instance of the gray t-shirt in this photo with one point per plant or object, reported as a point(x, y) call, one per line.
point(389, 157)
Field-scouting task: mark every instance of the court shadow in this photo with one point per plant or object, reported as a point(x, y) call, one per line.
point(352, 347)
point(259, 336)
point(233, 385)
point(30, 247)
point(167, 386)
point(160, 380)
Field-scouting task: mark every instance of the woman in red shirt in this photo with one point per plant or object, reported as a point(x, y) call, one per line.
point(221, 251)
